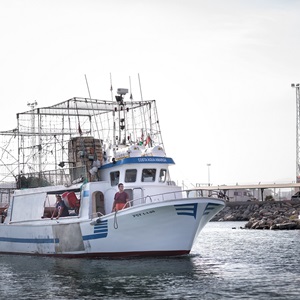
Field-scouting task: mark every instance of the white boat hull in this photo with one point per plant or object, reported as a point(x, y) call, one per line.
point(163, 228)
point(116, 146)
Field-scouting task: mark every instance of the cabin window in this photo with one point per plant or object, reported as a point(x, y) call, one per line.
point(130, 175)
point(162, 175)
point(114, 178)
point(148, 175)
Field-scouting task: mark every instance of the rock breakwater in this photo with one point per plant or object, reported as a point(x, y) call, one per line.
point(263, 215)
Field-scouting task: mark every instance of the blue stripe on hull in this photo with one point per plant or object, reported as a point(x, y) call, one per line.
point(86, 193)
point(29, 241)
point(210, 207)
point(100, 232)
point(94, 236)
point(186, 209)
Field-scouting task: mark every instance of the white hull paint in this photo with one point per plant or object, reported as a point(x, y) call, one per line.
point(165, 228)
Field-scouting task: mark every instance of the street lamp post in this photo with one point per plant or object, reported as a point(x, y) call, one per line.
point(208, 173)
point(297, 87)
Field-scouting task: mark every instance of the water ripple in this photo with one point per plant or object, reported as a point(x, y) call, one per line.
point(225, 263)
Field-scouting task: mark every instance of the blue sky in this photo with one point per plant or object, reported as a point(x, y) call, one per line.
point(220, 71)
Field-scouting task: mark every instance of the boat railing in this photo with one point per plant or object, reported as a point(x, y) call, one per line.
point(182, 194)
point(62, 176)
point(175, 195)
point(96, 215)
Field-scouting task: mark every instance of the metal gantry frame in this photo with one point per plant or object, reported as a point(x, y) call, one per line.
point(40, 142)
point(297, 88)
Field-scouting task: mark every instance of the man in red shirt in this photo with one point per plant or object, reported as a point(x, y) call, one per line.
point(121, 199)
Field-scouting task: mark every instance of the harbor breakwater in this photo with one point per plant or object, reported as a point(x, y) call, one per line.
point(263, 214)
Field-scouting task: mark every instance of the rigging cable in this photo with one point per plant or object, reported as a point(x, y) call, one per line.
point(96, 123)
point(114, 121)
point(133, 123)
point(87, 86)
point(143, 109)
point(81, 138)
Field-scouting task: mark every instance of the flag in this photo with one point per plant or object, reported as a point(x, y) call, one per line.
point(148, 140)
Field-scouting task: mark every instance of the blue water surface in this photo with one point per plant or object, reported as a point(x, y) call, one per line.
point(227, 262)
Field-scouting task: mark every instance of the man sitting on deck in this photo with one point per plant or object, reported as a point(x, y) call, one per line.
point(61, 209)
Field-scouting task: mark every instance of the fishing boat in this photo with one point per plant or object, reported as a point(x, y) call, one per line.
point(81, 149)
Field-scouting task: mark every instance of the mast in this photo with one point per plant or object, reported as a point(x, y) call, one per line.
point(39, 142)
point(132, 115)
point(33, 132)
point(122, 117)
point(145, 126)
point(114, 117)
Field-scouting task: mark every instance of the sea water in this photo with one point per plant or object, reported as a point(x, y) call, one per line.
point(227, 262)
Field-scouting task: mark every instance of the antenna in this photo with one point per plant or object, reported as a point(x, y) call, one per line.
point(131, 98)
point(140, 87)
point(111, 88)
point(87, 86)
